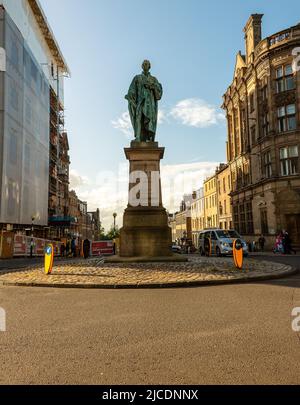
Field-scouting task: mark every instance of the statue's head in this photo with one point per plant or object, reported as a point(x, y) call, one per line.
point(146, 66)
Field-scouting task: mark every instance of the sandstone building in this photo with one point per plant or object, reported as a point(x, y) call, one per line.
point(262, 105)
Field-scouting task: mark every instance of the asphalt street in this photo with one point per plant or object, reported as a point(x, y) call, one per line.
point(232, 334)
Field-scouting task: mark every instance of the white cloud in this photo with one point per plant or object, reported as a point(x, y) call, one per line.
point(123, 123)
point(197, 113)
point(180, 179)
point(161, 116)
point(109, 191)
point(192, 112)
point(76, 180)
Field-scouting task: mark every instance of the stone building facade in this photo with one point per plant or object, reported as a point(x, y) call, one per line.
point(224, 200)
point(263, 115)
point(197, 215)
point(211, 219)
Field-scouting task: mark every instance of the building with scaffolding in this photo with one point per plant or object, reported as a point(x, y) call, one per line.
point(34, 168)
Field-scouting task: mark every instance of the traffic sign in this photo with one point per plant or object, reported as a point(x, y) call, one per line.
point(49, 256)
point(238, 254)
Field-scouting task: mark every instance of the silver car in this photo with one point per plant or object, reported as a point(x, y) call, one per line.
point(221, 241)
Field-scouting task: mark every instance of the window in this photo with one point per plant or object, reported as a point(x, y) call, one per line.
point(229, 182)
point(264, 93)
point(221, 209)
point(286, 118)
point(267, 164)
point(236, 218)
point(251, 102)
point(233, 185)
point(213, 236)
point(279, 38)
point(242, 219)
point(265, 124)
point(253, 134)
point(264, 222)
point(289, 158)
point(237, 132)
point(249, 218)
point(225, 207)
point(285, 79)
point(246, 174)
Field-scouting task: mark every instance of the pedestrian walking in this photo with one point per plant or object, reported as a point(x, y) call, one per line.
point(278, 248)
point(261, 243)
point(31, 247)
point(67, 248)
point(86, 248)
point(62, 250)
point(73, 247)
point(207, 246)
point(288, 244)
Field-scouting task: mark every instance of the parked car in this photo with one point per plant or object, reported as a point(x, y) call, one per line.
point(221, 241)
point(176, 249)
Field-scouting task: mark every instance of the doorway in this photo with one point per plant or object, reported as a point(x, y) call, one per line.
point(293, 228)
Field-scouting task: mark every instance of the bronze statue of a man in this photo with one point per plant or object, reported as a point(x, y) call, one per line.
point(143, 94)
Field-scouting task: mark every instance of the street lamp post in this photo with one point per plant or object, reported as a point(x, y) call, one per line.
point(115, 217)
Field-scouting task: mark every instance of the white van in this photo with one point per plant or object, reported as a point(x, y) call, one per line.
point(221, 241)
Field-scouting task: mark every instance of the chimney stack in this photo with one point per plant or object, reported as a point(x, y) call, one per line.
point(253, 35)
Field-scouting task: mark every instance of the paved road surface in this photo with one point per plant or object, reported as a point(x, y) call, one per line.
point(209, 335)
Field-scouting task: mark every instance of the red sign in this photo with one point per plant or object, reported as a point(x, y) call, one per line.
point(19, 245)
point(103, 248)
point(23, 243)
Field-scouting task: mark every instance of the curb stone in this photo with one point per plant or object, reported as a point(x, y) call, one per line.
point(180, 284)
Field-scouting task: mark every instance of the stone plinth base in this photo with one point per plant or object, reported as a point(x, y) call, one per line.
point(175, 258)
point(145, 231)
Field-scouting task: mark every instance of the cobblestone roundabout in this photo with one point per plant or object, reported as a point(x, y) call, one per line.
point(93, 274)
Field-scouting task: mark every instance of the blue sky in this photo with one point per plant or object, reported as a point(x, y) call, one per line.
point(192, 46)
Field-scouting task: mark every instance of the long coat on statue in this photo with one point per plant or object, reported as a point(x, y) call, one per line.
point(144, 93)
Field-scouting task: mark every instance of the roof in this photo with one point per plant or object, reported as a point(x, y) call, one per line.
point(48, 34)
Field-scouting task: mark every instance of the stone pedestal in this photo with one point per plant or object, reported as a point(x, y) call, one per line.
point(145, 231)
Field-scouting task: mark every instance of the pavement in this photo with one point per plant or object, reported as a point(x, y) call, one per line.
point(227, 334)
point(94, 273)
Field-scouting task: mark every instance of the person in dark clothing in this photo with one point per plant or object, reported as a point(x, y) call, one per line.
point(67, 248)
point(288, 249)
point(207, 246)
point(62, 250)
point(73, 247)
point(86, 248)
point(261, 242)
